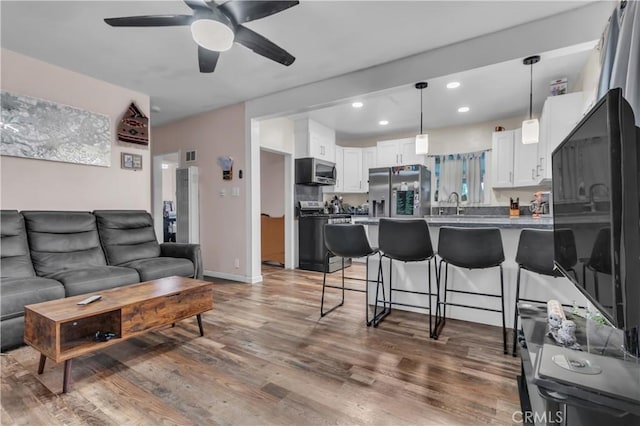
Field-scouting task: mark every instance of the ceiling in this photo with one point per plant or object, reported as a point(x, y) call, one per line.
point(492, 92)
point(328, 38)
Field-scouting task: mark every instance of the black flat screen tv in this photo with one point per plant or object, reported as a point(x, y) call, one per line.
point(596, 195)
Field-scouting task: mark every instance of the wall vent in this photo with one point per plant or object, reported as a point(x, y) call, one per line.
point(190, 156)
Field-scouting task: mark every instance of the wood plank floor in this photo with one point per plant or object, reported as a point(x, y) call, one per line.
point(268, 359)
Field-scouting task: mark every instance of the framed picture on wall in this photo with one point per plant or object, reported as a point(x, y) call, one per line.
point(130, 161)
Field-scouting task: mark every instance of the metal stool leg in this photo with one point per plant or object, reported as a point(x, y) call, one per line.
point(515, 314)
point(324, 283)
point(429, 296)
point(504, 324)
point(378, 317)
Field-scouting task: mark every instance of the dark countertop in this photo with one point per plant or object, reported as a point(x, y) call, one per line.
point(470, 221)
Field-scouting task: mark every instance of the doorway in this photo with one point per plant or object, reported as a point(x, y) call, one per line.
point(164, 195)
point(272, 207)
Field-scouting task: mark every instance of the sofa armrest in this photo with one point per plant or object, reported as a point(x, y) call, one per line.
point(187, 251)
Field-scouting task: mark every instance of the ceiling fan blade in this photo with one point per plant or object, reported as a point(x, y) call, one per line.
point(197, 4)
point(244, 11)
point(262, 46)
point(150, 21)
point(207, 59)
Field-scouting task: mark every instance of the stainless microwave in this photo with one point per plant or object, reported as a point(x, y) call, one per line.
point(313, 171)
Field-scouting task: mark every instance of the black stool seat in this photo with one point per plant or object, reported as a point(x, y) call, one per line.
point(471, 248)
point(537, 250)
point(346, 240)
point(405, 240)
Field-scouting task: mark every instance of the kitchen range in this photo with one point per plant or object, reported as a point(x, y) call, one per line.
point(311, 249)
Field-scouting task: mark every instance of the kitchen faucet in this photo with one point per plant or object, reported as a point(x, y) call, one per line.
point(458, 208)
point(592, 202)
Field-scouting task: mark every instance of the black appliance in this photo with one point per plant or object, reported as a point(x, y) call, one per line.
point(313, 171)
point(312, 253)
point(596, 196)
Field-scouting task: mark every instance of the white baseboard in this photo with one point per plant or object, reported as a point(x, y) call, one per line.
point(233, 277)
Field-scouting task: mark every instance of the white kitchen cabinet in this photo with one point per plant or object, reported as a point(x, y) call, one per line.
point(339, 160)
point(502, 159)
point(369, 161)
point(514, 164)
point(560, 114)
point(352, 170)
point(312, 139)
point(397, 152)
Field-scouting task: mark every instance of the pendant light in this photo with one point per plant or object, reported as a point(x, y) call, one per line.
point(531, 127)
point(422, 139)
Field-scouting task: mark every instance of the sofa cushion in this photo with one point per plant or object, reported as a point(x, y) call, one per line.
point(160, 267)
point(15, 293)
point(95, 278)
point(60, 240)
point(15, 260)
point(127, 235)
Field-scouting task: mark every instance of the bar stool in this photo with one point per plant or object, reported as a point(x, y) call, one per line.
point(406, 240)
point(471, 248)
point(536, 253)
point(347, 240)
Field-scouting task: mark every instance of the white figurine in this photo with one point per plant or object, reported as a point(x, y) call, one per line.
point(567, 333)
point(555, 314)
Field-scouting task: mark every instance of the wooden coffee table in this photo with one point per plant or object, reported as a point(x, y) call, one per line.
point(62, 330)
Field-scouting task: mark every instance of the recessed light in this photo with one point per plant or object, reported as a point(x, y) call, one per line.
point(383, 122)
point(357, 104)
point(453, 85)
point(463, 109)
point(155, 108)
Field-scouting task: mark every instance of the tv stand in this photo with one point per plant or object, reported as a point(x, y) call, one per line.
point(552, 394)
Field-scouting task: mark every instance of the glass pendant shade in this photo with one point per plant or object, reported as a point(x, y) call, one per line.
point(422, 139)
point(422, 144)
point(530, 131)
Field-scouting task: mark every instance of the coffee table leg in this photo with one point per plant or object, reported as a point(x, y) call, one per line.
point(200, 324)
point(66, 383)
point(43, 359)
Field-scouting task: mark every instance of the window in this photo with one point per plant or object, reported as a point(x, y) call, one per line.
point(461, 173)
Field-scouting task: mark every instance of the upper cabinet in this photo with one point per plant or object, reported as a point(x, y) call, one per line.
point(348, 171)
point(312, 139)
point(560, 114)
point(514, 164)
point(352, 170)
point(369, 161)
point(398, 152)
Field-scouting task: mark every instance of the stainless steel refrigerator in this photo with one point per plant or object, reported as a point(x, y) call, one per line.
point(400, 191)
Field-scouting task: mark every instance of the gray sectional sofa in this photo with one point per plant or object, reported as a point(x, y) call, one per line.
point(46, 255)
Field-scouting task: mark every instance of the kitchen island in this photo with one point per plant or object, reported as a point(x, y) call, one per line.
point(412, 276)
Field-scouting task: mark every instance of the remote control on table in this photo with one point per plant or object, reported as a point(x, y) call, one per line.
point(90, 299)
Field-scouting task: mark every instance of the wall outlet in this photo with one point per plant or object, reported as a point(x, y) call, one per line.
point(237, 263)
point(235, 191)
point(223, 192)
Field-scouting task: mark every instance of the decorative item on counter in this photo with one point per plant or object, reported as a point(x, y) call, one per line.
point(555, 314)
point(560, 328)
point(226, 163)
point(514, 207)
point(540, 204)
point(499, 129)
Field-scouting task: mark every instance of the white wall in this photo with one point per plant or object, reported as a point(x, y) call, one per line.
point(169, 183)
point(272, 183)
point(223, 230)
point(277, 134)
point(29, 184)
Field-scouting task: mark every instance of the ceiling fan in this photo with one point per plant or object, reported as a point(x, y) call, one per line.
point(215, 27)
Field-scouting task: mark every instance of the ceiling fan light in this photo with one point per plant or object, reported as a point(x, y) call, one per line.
point(422, 144)
point(530, 131)
point(212, 35)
